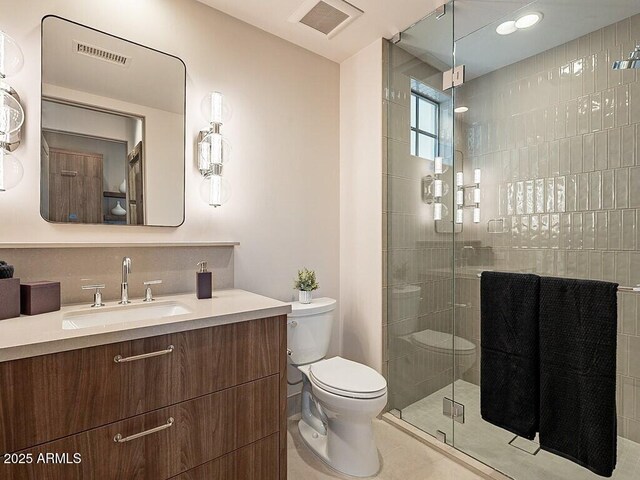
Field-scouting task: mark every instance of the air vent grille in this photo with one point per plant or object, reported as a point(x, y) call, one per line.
point(101, 54)
point(324, 18)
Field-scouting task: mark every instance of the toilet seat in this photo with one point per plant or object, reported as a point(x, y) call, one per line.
point(347, 379)
point(442, 342)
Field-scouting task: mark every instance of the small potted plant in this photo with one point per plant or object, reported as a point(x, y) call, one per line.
point(305, 284)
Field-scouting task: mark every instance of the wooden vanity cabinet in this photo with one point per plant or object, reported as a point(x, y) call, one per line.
point(209, 402)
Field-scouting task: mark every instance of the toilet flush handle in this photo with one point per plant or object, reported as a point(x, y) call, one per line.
point(292, 323)
point(289, 352)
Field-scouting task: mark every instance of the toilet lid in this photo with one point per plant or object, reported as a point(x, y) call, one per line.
point(348, 379)
point(441, 341)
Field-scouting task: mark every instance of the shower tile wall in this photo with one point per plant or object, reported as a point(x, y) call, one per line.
point(557, 137)
point(418, 277)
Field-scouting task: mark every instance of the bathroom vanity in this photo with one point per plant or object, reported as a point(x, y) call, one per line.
point(197, 394)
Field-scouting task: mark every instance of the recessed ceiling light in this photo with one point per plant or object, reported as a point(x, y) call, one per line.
point(528, 20)
point(507, 28)
point(461, 109)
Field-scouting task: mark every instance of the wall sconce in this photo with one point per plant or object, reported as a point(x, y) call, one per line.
point(434, 188)
point(214, 151)
point(461, 189)
point(11, 114)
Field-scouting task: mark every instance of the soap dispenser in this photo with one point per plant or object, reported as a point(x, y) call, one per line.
point(204, 285)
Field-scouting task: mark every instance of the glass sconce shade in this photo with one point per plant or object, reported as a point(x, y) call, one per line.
point(215, 190)
point(439, 188)
point(459, 215)
point(440, 211)
point(476, 195)
point(213, 149)
point(476, 215)
point(459, 179)
point(11, 58)
point(11, 171)
point(477, 176)
point(11, 115)
point(216, 109)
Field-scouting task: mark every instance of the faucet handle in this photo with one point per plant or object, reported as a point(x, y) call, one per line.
point(148, 296)
point(97, 296)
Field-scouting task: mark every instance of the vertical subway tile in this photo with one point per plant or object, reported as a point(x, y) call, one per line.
point(572, 264)
point(560, 194)
point(589, 230)
point(565, 156)
point(608, 189)
point(571, 194)
point(629, 229)
point(595, 265)
point(550, 195)
point(622, 268)
point(634, 102)
point(609, 266)
point(554, 157)
point(633, 350)
point(629, 313)
point(576, 231)
point(596, 112)
point(595, 190)
point(634, 187)
point(628, 394)
point(614, 148)
point(602, 230)
point(540, 197)
point(583, 191)
point(544, 231)
point(554, 231)
point(608, 109)
point(572, 118)
point(634, 275)
point(622, 105)
point(588, 153)
point(601, 150)
point(623, 355)
point(543, 159)
point(622, 187)
point(565, 231)
point(584, 114)
point(628, 145)
point(615, 229)
point(576, 154)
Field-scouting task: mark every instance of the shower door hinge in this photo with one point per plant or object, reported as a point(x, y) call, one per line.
point(453, 410)
point(453, 78)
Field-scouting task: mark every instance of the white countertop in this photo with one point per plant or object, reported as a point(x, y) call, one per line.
point(29, 336)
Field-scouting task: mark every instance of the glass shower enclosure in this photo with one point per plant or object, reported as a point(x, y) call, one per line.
point(512, 145)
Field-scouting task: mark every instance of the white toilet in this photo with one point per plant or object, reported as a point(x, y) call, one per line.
point(340, 398)
point(441, 348)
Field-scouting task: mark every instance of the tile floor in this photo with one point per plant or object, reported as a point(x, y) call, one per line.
point(402, 458)
point(490, 444)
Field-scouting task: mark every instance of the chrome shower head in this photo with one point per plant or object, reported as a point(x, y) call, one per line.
point(632, 62)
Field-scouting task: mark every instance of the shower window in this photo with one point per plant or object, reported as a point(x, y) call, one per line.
point(424, 126)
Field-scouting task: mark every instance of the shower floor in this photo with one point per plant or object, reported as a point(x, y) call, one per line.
point(490, 444)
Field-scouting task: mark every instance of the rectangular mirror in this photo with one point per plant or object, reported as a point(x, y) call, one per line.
point(113, 129)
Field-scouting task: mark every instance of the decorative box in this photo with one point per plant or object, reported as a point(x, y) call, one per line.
point(9, 298)
point(39, 297)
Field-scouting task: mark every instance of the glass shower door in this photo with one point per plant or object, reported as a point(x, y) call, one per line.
point(420, 224)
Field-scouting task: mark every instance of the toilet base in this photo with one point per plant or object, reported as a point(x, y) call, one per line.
point(366, 464)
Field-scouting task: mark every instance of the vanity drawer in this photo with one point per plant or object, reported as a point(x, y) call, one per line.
point(52, 396)
point(166, 442)
point(258, 461)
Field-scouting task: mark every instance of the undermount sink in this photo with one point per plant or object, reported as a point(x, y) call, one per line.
point(122, 314)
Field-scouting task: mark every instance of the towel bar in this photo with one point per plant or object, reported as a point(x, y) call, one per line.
point(635, 289)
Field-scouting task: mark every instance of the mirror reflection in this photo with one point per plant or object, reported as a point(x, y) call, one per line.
point(112, 133)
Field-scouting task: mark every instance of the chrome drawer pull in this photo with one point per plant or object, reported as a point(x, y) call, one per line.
point(121, 359)
point(120, 439)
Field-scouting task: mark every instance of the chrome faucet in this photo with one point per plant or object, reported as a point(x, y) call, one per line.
point(124, 286)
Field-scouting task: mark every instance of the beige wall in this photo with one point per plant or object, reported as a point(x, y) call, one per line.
point(360, 208)
point(285, 135)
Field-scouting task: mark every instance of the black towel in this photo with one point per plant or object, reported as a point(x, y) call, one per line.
point(509, 380)
point(578, 371)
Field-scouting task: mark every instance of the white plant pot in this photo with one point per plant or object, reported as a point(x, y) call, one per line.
point(305, 297)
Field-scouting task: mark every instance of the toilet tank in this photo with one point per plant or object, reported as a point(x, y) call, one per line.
point(309, 330)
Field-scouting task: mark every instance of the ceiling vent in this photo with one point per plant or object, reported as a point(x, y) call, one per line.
point(101, 53)
point(326, 16)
